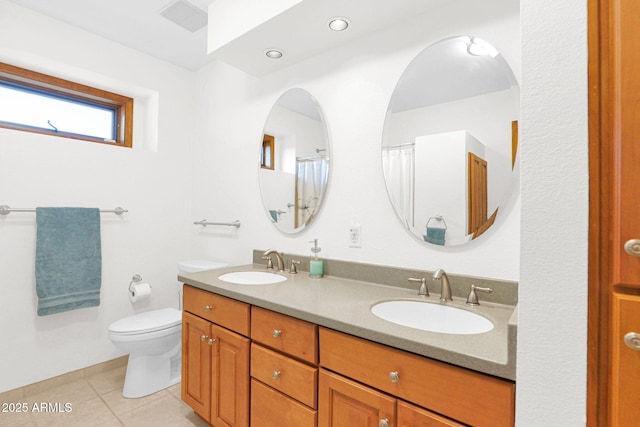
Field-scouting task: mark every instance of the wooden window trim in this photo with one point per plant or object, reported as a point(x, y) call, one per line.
point(123, 105)
point(268, 141)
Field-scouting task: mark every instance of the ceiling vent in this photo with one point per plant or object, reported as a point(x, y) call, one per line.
point(184, 14)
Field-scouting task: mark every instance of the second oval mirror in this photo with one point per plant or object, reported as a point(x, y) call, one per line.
point(450, 139)
point(294, 161)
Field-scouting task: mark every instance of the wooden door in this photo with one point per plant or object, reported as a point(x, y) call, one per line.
point(477, 193)
point(196, 364)
point(343, 402)
point(230, 379)
point(614, 273)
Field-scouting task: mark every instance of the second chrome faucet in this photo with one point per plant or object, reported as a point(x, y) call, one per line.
point(445, 290)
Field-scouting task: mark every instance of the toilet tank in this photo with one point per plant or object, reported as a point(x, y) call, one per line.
point(194, 265)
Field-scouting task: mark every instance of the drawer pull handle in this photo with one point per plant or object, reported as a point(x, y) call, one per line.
point(211, 341)
point(632, 340)
point(632, 247)
point(276, 375)
point(203, 338)
point(208, 307)
point(384, 422)
point(277, 333)
point(394, 377)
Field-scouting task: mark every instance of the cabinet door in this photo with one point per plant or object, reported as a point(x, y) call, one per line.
point(196, 364)
point(414, 416)
point(625, 360)
point(343, 402)
point(230, 380)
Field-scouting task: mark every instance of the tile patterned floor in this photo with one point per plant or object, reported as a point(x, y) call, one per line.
point(93, 399)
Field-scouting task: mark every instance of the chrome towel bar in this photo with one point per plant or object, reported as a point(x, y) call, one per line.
point(6, 210)
point(204, 223)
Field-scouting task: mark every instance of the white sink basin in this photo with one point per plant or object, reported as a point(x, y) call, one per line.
point(432, 317)
point(252, 278)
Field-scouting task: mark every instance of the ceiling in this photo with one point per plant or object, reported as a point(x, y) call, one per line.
point(301, 31)
point(133, 23)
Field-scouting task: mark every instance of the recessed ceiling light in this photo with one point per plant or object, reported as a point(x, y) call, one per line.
point(273, 53)
point(338, 23)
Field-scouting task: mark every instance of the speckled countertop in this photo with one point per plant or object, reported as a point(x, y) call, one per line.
point(345, 305)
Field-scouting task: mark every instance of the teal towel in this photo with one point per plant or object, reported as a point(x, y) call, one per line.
point(274, 215)
point(68, 259)
point(435, 235)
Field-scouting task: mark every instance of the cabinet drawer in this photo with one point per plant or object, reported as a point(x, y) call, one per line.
point(224, 311)
point(289, 376)
point(414, 416)
point(292, 336)
point(270, 408)
point(464, 395)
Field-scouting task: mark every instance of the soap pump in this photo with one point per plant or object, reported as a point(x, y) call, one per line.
point(316, 268)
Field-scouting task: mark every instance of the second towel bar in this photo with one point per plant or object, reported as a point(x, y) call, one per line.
point(204, 223)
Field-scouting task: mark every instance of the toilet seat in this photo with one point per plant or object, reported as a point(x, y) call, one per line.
point(150, 321)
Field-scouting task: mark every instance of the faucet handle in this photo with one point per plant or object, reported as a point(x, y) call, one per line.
point(472, 298)
point(269, 261)
point(424, 290)
point(293, 269)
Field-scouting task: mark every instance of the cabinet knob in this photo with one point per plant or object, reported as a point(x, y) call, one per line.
point(203, 338)
point(632, 247)
point(211, 341)
point(276, 375)
point(208, 307)
point(632, 340)
point(394, 377)
point(276, 333)
point(384, 422)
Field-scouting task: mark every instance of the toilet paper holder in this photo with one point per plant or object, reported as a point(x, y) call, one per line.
point(135, 279)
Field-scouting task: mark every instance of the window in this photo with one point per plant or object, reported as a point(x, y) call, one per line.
point(267, 153)
point(34, 102)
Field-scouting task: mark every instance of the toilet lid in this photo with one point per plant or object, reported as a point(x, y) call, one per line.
point(147, 322)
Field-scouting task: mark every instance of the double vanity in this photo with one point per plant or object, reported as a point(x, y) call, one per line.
point(359, 347)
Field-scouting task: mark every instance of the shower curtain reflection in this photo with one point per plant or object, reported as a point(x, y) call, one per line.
point(311, 179)
point(398, 164)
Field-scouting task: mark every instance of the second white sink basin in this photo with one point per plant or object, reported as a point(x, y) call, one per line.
point(432, 317)
point(252, 278)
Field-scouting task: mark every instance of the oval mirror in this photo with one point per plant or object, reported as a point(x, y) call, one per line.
point(450, 140)
point(294, 161)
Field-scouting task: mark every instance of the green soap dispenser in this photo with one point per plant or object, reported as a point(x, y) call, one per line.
point(316, 266)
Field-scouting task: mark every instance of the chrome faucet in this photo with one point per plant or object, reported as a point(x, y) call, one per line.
point(279, 260)
point(445, 290)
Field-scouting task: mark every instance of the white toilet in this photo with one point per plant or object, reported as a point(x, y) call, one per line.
point(153, 340)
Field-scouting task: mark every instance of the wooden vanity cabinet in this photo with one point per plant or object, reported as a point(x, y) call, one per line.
point(244, 365)
point(215, 359)
point(284, 371)
point(463, 395)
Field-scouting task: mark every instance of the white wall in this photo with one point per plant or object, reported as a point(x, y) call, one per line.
point(552, 328)
point(152, 180)
point(353, 86)
point(545, 246)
